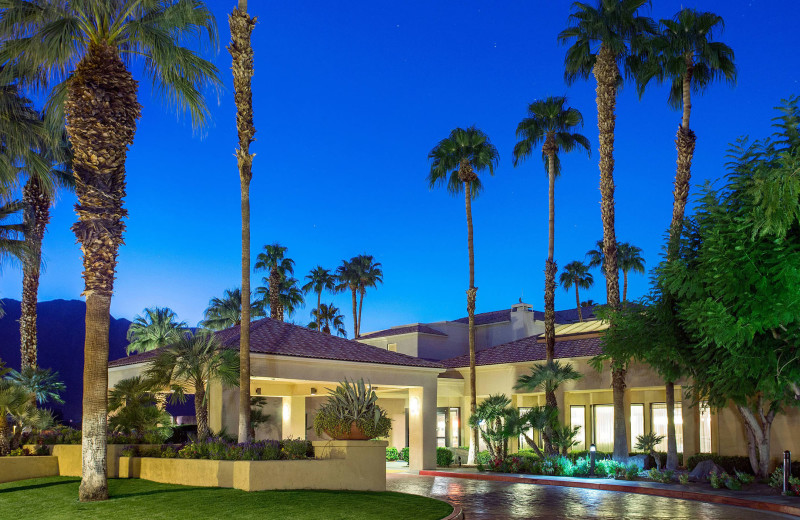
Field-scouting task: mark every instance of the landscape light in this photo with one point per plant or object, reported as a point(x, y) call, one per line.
point(592, 454)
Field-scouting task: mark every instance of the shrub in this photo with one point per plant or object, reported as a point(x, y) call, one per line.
point(730, 464)
point(129, 451)
point(404, 454)
point(716, 480)
point(745, 478)
point(444, 457)
point(19, 452)
point(294, 449)
point(627, 472)
point(664, 477)
point(683, 478)
point(392, 454)
point(581, 468)
point(483, 457)
point(776, 482)
point(605, 467)
point(350, 403)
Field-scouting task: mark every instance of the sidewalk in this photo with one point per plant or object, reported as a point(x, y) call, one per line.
point(774, 504)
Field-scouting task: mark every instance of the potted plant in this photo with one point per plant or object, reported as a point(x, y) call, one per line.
point(352, 413)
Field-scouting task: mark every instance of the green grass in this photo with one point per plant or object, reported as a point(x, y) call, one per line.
point(57, 498)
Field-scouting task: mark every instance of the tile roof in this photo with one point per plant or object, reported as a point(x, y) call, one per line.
point(485, 318)
point(563, 317)
point(418, 327)
point(571, 315)
point(527, 349)
point(268, 336)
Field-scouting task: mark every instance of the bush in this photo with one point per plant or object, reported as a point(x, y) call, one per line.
point(483, 457)
point(404, 454)
point(745, 478)
point(664, 477)
point(581, 468)
point(683, 478)
point(392, 454)
point(776, 482)
point(605, 468)
point(295, 449)
point(716, 480)
point(444, 457)
point(627, 472)
point(730, 464)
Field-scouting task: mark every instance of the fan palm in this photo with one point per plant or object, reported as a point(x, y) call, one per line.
point(157, 328)
point(133, 409)
point(576, 274)
point(241, 50)
point(550, 123)
point(43, 385)
point(226, 312)
point(518, 424)
point(274, 260)
point(193, 362)
point(319, 280)
point(370, 274)
point(348, 277)
point(88, 46)
point(14, 401)
point(488, 418)
point(12, 243)
point(455, 162)
point(329, 316)
point(630, 259)
point(289, 296)
point(548, 376)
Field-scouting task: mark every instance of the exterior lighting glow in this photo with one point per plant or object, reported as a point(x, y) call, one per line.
point(414, 405)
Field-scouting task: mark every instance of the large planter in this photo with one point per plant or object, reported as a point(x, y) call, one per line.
point(69, 458)
point(355, 434)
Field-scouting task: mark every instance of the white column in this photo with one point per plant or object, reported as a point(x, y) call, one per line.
point(422, 427)
point(293, 415)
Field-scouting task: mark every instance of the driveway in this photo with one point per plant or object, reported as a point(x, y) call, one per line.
point(500, 500)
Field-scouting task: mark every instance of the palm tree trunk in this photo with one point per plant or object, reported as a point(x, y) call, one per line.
point(550, 287)
point(319, 310)
point(672, 443)
point(578, 301)
point(606, 74)
point(5, 435)
point(355, 312)
point(471, 297)
point(625, 286)
point(37, 215)
point(242, 66)
point(274, 294)
point(360, 306)
point(101, 111)
point(201, 411)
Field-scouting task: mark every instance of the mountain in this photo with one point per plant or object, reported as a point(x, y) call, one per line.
point(61, 331)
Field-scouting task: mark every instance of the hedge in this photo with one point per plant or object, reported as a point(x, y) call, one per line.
point(444, 457)
point(730, 464)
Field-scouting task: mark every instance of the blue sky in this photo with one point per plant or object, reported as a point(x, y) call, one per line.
point(349, 99)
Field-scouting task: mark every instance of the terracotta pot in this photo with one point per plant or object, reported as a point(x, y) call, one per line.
point(355, 434)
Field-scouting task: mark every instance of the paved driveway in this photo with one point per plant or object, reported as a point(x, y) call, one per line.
point(499, 500)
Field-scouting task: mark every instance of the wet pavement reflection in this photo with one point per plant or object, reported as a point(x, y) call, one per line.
point(483, 500)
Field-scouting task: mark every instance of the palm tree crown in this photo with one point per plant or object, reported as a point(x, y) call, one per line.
point(226, 312)
point(329, 316)
point(370, 274)
point(319, 280)
point(629, 259)
point(289, 296)
point(457, 158)
point(158, 327)
point(576, 274)
point(547, 376)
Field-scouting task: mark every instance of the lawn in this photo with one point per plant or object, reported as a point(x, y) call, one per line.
point(57, 498)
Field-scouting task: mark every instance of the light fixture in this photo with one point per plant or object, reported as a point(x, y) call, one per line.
point(313, 391)
point(258, 391)
point(287, 411)
point(414, 405)
point(592, 455)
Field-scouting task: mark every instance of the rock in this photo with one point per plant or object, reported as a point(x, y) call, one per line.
point(703, 469)
point(649, 462)
point(639, 460)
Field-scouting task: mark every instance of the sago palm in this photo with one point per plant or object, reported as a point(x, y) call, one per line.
point(193, 362)
point(158, 327)
point(455, 163)
point(370, 274)
point(630, 260)
point(550, 123)
point(226, 312)
point(576, 274)
point(83, 51)
point(320, 280)
point(330, 317)
point(274, 260)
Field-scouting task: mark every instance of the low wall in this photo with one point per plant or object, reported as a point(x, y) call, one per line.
point(339, 465)
point(21, 468)
point(69, 458)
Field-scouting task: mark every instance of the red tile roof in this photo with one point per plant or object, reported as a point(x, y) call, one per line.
point(268, 336)
point(527, 349)
point(485, 318)
point(419, 327)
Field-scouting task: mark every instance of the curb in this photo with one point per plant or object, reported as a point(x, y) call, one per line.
point(666, 493)
point(457, 514)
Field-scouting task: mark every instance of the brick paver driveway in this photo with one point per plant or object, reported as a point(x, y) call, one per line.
point(483, 500)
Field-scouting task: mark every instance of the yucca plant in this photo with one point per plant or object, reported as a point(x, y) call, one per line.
point(352, 404)
point(647, 443)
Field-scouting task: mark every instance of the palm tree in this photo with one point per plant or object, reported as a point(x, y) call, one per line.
point(684, 54)
point(319, 280)
point(630, 259)
point(241, 50)
point(274, 260)
point(597, 258)
point(370, 274)
point(194, 361)
point(289, 296)
point(157, 328)
point(603, 37)
point(327, 317)
point(226, 312)
point(81, 44)
point(14, 401)
point(455, 162)
point(548, 376)
point(43, 385)
point(12, 244)
point(550, 123)
point(348, 277)
point(576, 274)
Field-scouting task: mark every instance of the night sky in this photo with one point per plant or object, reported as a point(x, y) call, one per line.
point(350, 98)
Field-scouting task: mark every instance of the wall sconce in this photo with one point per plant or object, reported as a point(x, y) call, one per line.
point(414, 405)
point(258, 391)
point(313, 391)
point(287, 411)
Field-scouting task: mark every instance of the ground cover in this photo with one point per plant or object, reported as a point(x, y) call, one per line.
point(55, 498)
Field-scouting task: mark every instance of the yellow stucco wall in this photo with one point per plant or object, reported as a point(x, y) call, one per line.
point(21, 468)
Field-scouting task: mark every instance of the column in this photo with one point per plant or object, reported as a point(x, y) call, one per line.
point(293, 415)
point(691, 425)
point(422, 427)
point(627, 405)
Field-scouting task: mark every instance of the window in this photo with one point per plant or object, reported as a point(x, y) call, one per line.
point(531, 433)
point(637, 422)
point(658, 418)
point(448, 432)
point(577, 417)
point(392, 347)
point(604, 427)
point(441, 427)
point(705, 427)
point(455, 427)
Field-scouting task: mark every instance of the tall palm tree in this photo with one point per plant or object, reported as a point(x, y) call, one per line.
point(80, 45)
point(455, 162)
point(12, 244)
point(329, 316)
point(241, 50)
point(158, 327)
point(348, 277)
point(274, 260)
point(576, 274)
point(37, 194)
point(226, 312)
point(630, 259)
point(550, 123)
point(319, 280)
point(603, 37)
point(370, 274)
point(193, 362)
point(289, 296)
point(548, 376)
point(596, 258)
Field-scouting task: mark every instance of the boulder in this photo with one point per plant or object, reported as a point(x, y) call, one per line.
point(703, 469)
point(639, 460)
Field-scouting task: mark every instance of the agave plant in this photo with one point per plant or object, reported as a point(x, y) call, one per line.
point(352, 403)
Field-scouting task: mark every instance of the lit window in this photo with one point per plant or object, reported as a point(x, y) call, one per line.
point(637, 422)
point(531, 433)
point(578, 418)
point(455, 427)
point(441, 427)
point(705, 427)
point(658, 415)
point(604, 427)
